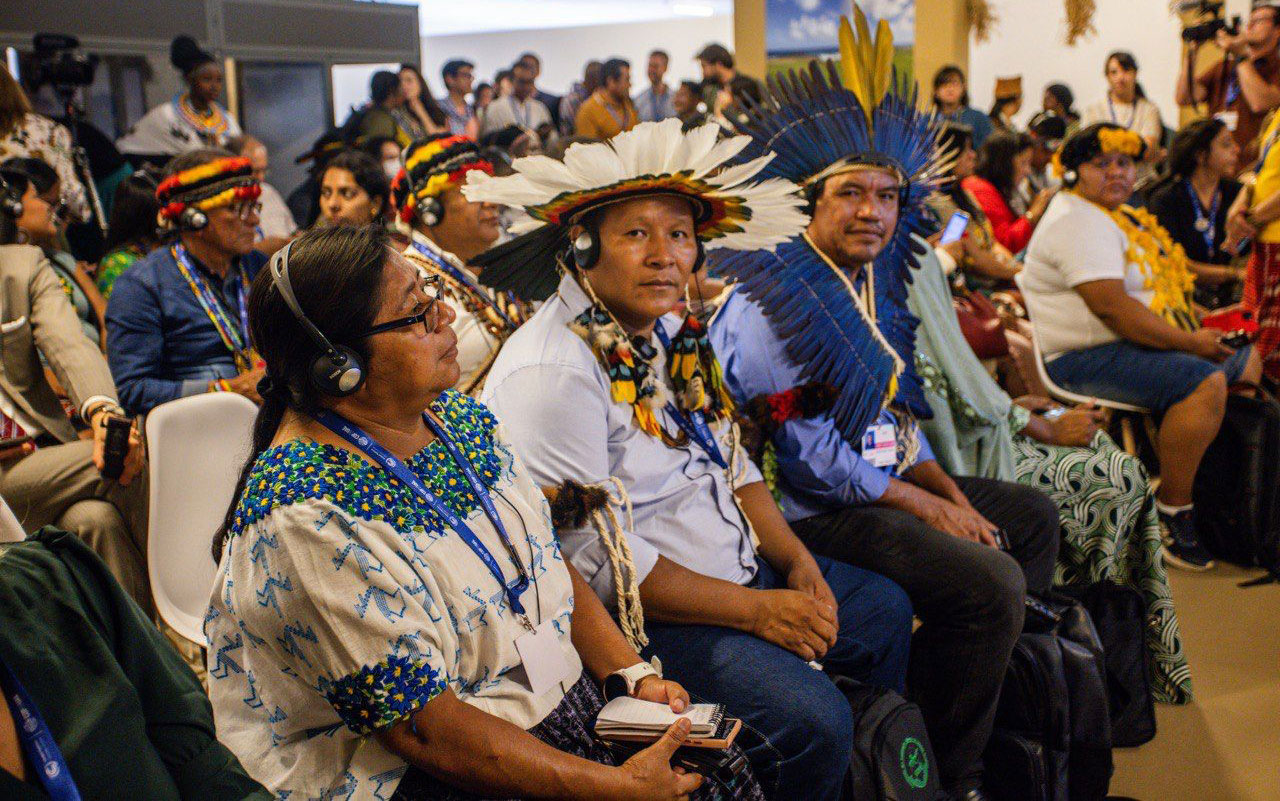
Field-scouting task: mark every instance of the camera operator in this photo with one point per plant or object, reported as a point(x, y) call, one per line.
point(1245, 85)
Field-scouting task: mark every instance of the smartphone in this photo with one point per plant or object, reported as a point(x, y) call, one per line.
point(116, 446)
point(955, 228)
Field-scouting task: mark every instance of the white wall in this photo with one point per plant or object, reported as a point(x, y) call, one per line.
point(1029, 40)
point(564, 51)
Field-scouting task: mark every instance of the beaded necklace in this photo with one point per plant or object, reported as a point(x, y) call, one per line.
point(210, 125)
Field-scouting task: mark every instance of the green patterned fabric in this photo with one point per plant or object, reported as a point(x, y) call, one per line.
point(1106, 507)
point(1110, 532)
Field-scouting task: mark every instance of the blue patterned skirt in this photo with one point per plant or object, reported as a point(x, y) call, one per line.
point(568, 728)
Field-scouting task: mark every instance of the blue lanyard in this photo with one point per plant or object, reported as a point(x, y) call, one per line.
point(466, 280)
point(381, 456)
point(236, 339)
point(1208, 227)
point(1233, 88)
point(694, 424)
point(1132, 116)
point(37, 740)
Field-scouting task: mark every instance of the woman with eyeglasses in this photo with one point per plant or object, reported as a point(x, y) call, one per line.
point(390, 595)
point(43, 222)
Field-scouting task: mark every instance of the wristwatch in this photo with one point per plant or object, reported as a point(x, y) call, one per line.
point(623, 682)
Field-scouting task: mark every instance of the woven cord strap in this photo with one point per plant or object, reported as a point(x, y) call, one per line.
point(613, 535)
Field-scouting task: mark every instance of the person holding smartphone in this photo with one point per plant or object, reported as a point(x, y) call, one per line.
point(48, 474)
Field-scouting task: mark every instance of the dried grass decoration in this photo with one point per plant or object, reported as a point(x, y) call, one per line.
point(1080, 19)
point(982, 19)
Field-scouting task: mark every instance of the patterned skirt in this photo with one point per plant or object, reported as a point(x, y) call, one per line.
point(1110, 532)
point(568, 728)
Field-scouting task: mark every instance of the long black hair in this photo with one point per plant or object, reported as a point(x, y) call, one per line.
point(336, 275)
point(948, 73)
point(1188, 145)
point(995, 159)
point(133, 212)
point(424, 94)
point(1127, 63)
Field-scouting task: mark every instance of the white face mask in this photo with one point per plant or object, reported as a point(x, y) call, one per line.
point(391, 167)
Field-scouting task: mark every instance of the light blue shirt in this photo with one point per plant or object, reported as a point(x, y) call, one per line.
point(552, 396)
point(654, 107)
point(819, 470)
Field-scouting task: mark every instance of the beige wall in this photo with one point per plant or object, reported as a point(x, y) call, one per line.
point(748, 37)
point(942, 37)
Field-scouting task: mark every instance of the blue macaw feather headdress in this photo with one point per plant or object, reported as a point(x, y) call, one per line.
point(821, 121)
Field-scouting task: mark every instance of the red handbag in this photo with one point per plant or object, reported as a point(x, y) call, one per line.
point(981, 325)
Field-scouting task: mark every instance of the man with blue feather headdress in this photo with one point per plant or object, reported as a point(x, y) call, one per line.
point(818, 336)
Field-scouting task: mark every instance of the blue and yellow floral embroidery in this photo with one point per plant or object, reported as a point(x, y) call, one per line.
point(379, 695)
point(298, 470)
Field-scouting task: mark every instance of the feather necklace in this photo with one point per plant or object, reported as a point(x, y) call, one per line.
point(695, 372)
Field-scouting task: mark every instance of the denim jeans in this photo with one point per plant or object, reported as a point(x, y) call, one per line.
point(801, 727)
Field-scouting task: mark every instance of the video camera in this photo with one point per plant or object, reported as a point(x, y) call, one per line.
point(59, 65)
point(1204, 31)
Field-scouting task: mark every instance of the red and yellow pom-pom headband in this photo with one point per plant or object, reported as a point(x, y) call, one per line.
point(432, 167)
point(221, 182)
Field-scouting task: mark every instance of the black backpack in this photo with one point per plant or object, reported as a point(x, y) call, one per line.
point(1237, 488)
point(1052, 738)
point(1120, 616)
point(892, 759)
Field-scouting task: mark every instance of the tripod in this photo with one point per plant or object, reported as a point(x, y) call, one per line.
point(75, 115)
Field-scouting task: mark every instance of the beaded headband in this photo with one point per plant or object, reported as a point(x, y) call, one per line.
point(221, 182)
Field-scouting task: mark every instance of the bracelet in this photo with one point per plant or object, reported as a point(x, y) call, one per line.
point(221, 385)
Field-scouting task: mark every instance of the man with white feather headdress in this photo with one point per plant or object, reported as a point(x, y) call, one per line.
point(604, 386)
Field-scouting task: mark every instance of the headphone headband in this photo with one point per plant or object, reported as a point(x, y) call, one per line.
point(344, 372)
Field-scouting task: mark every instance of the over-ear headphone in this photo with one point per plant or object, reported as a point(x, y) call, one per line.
point(192, 219)
point(337, 371)
point(10, 202)
point(430, 211)
point(585, 251)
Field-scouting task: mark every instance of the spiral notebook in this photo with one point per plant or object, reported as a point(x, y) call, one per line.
point(631, 718)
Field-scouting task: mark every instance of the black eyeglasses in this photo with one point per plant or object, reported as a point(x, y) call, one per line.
point(428, 317)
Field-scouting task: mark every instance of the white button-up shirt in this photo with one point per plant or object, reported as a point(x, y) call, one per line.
point(552, 396)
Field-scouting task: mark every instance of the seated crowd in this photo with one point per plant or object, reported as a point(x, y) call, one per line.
point(563, 399)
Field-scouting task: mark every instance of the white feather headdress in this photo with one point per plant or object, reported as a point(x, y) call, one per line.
point(654, 158)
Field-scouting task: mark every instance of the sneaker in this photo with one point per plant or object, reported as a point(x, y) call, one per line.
point(1182, 548)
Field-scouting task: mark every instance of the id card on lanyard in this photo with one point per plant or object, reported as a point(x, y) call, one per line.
point(37, 741)
point(693, 424)
point(539, 647)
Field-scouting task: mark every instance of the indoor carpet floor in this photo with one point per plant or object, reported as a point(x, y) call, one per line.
point(1225, 745)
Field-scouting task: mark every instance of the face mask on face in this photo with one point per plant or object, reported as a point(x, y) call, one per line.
point(391, 167)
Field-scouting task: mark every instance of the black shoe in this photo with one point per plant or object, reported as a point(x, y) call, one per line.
point(976, 794)
point(1182, 547)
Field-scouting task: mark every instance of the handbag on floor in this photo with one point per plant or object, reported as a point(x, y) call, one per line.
point(1237, 488)
point(1119, 614)
point(892, 759)
point(1052, 738)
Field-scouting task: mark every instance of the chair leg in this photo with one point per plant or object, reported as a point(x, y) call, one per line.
point(1128, 440)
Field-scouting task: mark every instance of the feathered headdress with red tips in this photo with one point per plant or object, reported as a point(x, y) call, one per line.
point(221, 182)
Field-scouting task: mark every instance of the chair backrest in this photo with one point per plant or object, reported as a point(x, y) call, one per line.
point(10, 528)
point(196, 447)
point(1058, 393)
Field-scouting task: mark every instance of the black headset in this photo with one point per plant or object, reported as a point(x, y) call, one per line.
point(338, 370)
point(430, 211)
point(192, 219)
point(10, 202)
point(585, 250)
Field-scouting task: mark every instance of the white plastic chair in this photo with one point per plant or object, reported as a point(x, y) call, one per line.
point(10, 529)
point(196, 448)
